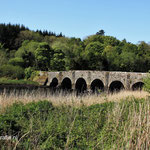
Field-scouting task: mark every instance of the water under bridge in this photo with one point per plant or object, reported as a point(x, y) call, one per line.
point(92, 80)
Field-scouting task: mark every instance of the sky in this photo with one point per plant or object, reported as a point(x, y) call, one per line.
point(123, 19)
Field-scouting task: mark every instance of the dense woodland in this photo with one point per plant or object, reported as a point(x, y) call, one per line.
point(23, 51)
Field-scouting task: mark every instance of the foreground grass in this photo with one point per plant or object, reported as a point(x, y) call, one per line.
point(120, 124)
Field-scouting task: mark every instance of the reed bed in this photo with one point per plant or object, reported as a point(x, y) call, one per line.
point(64, 98)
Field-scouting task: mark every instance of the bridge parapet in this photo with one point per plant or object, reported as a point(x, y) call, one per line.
point(101, 79)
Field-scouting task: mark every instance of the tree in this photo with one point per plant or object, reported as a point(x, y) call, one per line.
point(27, 52)
point(71, 49)
point(111, 56)
point(3, 55)
point(28, 35)
point(11, 71)
point(43, 55)
point(94, 38)
point(9, 33)
point(73, 55)
point(100, 32)
point(93, 55)
point(143, 57)
point(127, 61)
point(17, 61)
point(57, 61)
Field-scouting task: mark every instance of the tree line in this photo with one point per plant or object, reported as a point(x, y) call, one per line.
point(23, 51)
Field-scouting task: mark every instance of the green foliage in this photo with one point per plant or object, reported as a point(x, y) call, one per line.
point(11, 71)
point(96, 52)
point(3, 55)
point(127, 61)
point(28, 35)
point(28, 72)
point(43, 55)
point(9, 33)
point(93, 55)
point(57, 62)
point(8, 81)
point(27, 53)
point(100, 32)
point(147, 83)
point(17, 61)
point(73, 54)
point(100, 126)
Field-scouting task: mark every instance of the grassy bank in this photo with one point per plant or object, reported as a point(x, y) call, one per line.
point(120, 124)
point(5, 81)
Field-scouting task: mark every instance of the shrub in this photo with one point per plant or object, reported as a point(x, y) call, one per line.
point(16, 61)
point(11, 71)
point(28, 71)
point(20, 119)
point(147, 84)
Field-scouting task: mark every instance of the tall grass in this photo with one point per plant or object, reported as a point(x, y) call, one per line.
point(61, 98)
point(114, 121)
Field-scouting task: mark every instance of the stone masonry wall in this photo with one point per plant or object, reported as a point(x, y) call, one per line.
point(128, 79)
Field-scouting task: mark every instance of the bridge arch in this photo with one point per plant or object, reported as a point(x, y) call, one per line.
point(46, 81)
point(80, 85)
point(66, 84)
point(97, 85)
point(137, 86)
point(116, 86)
point(54, 83)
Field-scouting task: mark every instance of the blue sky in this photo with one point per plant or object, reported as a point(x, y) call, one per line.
point(127, 19)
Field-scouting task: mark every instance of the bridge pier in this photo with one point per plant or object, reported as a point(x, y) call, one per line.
point(106, 89)
point(73, 86)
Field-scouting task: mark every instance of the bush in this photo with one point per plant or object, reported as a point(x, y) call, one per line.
point(17, 121)
point(16, 62)
point(28, 71)
point(11, 71)
point(147, 84)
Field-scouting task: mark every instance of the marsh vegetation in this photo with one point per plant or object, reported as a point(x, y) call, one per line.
point(115, 121)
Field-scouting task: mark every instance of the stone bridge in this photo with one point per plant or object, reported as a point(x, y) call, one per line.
point(92, 80)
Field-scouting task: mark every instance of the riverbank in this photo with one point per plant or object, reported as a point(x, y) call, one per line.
point(5, 81)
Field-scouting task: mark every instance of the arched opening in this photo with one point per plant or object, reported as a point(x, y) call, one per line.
point(45, 83)
point(66, 84)
point(54, 83)
point(81, 85)
point(137, 86)
point(116, 86)
point(97, 86)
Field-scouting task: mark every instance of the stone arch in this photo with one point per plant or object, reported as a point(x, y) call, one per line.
point(116, 86)
point(54, 83)
point(46, 81)
point(66, 84)
point(81, 85)
point(137, 86)
point(97, 85)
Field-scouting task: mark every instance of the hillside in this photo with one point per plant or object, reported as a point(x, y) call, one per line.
point(23, 52)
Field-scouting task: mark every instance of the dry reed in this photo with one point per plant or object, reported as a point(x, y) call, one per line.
point(67, 99)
